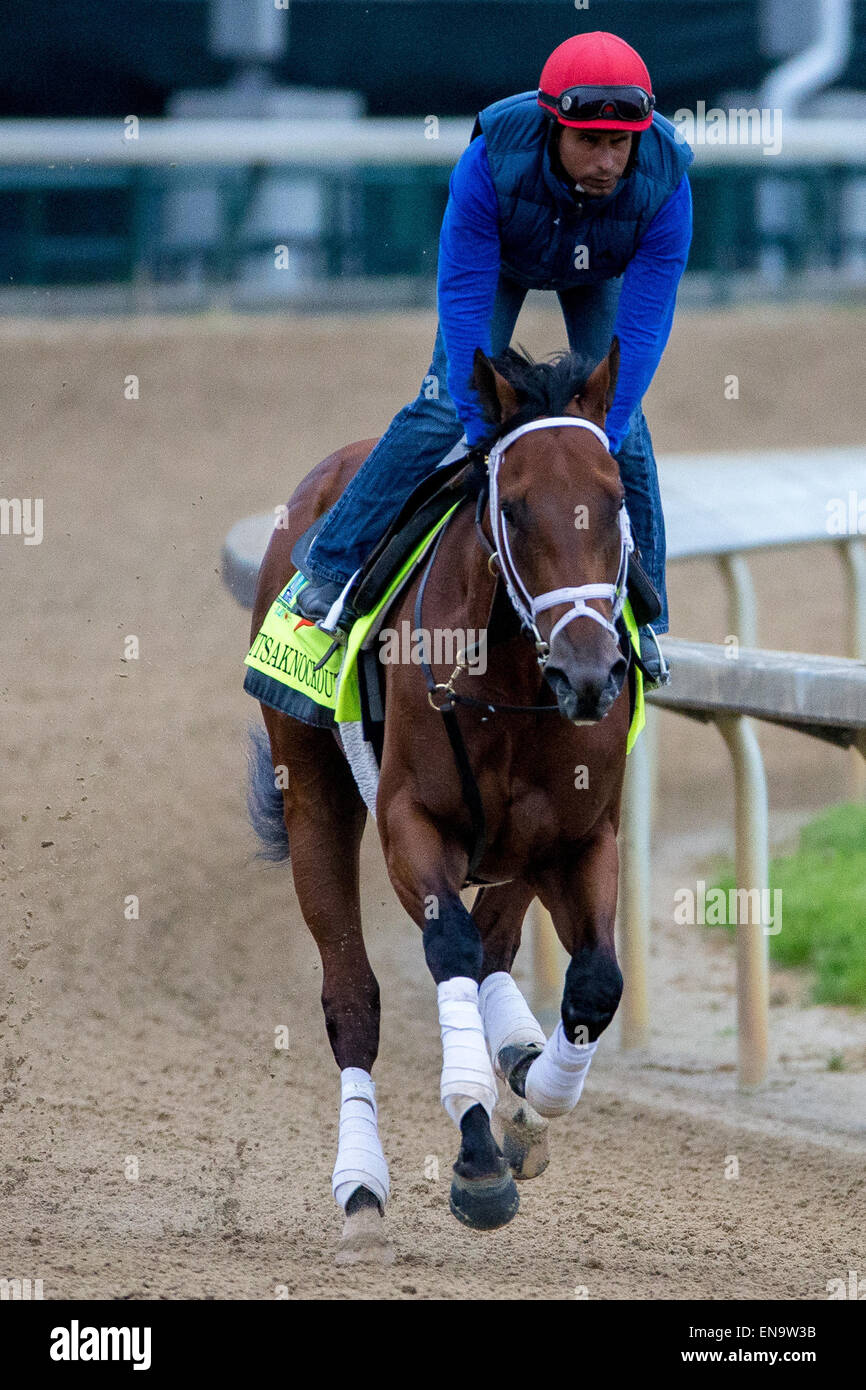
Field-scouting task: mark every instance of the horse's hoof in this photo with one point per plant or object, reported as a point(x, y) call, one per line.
point(363, 1240)
point(524, 1142)
point(524, 1146)
point(485, 1203)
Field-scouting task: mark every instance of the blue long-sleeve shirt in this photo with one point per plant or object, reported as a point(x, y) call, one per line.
point(469, 263)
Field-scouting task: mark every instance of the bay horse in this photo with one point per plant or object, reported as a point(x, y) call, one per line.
point(555, 530)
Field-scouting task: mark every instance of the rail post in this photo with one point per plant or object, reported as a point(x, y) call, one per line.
point(634, 886)
point(853, 554)
point(752, 870)
point(742, 604)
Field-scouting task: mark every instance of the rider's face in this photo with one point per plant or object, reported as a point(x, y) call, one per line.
point(594, 158)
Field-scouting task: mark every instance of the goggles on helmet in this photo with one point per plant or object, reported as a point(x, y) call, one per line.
point(601, 103)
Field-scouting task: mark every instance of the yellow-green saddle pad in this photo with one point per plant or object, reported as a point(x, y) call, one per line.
point(280, 663)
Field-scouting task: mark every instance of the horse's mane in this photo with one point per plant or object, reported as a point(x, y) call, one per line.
point(543, 388)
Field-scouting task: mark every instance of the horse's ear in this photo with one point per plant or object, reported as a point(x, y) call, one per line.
point(596, 398)
point(498, 396)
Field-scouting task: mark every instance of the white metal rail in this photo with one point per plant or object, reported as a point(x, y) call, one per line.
point(369, 140)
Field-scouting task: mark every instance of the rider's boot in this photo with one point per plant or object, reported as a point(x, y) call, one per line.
point(656, 670)
point(324, 602)
point(646, 607)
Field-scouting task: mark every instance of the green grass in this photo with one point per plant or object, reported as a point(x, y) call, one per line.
point(823, 887)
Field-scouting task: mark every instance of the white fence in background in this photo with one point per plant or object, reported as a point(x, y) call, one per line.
point(368, 140)
point(781, 205)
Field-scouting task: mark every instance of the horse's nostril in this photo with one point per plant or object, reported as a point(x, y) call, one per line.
point(614, 684)
point(618, 672)
point(557, 680)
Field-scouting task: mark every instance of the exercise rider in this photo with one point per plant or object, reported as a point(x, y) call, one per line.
point(579, 188)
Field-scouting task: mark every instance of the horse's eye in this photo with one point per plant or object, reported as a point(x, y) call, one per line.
point(507, 511)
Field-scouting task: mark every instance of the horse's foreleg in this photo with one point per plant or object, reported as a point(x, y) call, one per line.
point(426, 872)
point(580, 893)
point(514, 1035)
point(325, 820)
point(512, 1031)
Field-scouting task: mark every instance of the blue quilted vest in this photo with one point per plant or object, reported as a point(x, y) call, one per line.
point(543, 225)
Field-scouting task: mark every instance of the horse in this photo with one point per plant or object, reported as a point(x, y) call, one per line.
point(550, 532)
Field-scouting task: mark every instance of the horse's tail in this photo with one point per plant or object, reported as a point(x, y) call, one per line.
point(264, 798)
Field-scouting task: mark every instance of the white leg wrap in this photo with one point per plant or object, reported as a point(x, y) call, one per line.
point(508, 1019)
point(555, 1079)
point(467, 1076)
point(360, 1160)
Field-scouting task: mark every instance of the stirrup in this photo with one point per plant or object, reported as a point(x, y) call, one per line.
point(330, 609)
point(339, 618)
point(656, 671)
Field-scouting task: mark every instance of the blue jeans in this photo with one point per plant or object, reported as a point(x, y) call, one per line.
point(422, 433)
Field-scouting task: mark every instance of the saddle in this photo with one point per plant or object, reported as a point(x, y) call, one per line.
point(427, 504)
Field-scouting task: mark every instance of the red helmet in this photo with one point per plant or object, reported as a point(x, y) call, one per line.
point(597, 82)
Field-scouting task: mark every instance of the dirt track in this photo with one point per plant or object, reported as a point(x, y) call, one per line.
point(152, 1039)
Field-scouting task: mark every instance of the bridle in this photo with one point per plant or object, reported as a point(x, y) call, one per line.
point(527, 607)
